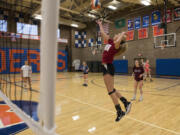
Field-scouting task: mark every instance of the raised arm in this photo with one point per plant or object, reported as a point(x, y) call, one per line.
point(121, 37)
point(104, 35)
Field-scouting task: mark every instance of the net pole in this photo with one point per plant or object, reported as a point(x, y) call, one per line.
point(48, 62)
point(165, 18)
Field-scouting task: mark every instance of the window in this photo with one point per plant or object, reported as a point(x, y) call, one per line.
point(3, 25)
point(58, 33)
point(23, 28)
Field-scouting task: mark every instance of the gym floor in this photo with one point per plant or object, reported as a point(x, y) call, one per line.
point(89, 110)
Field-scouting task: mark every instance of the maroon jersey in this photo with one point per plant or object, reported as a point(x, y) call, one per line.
point(109, 52)
point(137, 72)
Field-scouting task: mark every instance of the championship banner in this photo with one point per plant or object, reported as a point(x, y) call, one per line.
point(120, 23)
point(169, 16)
point(156, 18)
point(177, 14)
point(157, 31)
point(130, 35)
point(145, 21)
point(143, 33)
point(130, 24)
point(137, 23)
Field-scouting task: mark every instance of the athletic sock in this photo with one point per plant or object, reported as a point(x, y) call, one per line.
point(118, 108)
point(124, 100)
point(120, 113)
point(133, 98)
point(141, 98)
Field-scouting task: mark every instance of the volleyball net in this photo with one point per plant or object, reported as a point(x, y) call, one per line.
point(19, 56)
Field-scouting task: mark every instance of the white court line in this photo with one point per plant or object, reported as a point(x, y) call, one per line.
point(1, 124)
point(131, 118)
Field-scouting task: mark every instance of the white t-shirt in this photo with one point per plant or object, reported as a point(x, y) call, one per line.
point(26, 71)
point(76, 64)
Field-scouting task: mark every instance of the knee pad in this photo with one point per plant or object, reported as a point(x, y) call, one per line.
point(114, 90)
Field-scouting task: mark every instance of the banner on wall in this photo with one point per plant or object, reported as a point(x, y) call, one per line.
point(120, 23)
point(157, 31)
point(130, 24)
point(10, 61)
point(143, 33)
point(156, 18)
point(130, 35)
point(145, 21)
point(169, 16)
point(137, 23)
point(177, 14)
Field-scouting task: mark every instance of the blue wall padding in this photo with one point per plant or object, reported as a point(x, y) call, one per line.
point(121, 66)
point(168, 67)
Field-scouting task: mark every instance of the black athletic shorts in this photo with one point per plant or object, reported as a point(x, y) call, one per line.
point(108, 69)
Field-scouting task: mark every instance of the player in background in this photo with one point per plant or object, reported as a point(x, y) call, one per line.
point(138, 72)
point(26, 72)
point(85, 70)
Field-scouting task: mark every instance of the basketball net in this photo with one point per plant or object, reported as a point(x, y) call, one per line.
point(163, 46)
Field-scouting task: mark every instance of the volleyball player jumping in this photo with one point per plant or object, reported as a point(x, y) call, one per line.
point(114, 47)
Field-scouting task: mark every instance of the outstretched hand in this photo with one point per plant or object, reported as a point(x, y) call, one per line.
point(99, 22)
point(124, 33)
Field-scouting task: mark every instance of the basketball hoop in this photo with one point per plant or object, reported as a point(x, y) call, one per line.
point(165, 40)
point(163, 46)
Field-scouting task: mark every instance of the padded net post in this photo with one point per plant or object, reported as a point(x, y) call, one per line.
point(15, 49)
point(48, 53)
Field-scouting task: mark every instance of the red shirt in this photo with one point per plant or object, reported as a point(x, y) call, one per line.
point(109, 52)
point(147, 66)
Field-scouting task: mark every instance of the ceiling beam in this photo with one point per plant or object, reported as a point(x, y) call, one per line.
point(69, 22)
point(67, 10)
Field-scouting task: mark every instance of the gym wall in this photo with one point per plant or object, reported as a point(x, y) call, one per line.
point(143, 46)
point(6, 43)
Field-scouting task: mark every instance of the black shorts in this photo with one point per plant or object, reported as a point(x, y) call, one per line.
point(138, 79)
point(108, 69)
point(85, 73)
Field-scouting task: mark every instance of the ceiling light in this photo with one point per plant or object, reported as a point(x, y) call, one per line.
point(37, 16)
point(112, 7)
point(145, 2)
point(91, 15)
point(74, 25)
point(114, 2)
point(93, 11)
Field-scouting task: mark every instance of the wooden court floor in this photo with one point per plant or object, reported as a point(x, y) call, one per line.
point(89, 110)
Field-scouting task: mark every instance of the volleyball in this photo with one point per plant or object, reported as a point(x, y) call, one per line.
point(95, 4)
